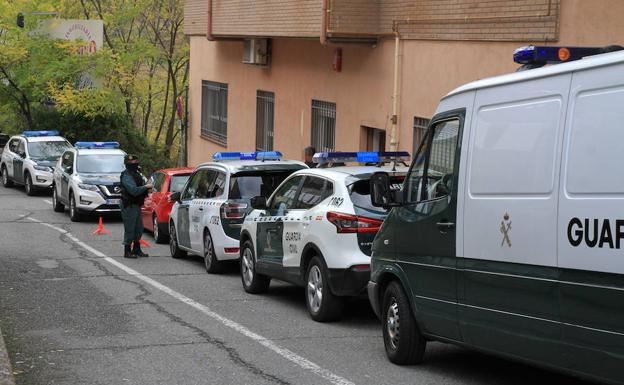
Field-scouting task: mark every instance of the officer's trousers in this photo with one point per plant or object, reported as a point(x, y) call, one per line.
point(133, 223)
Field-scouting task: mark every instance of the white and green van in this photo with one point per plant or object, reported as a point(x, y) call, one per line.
point(508, 234)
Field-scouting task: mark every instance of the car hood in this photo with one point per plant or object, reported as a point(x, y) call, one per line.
point(48, 162)
point(102, 179)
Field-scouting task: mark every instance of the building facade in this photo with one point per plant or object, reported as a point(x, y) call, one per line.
point(357, 74)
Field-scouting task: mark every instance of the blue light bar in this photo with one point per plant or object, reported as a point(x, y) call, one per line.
point(551, 55)
point(40, 133)
point(97, 145)
point(360, 157)
point(266, 155)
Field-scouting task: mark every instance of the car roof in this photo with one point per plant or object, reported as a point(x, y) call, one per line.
point(177, 171)
point(42, 138)
point(99, 151)
point(234, 166)
point(552, 70)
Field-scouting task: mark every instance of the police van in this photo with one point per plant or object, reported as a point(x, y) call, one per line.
point(29, 159)
point(508, 235)
point(87, 179)
point(317, 229)
point(207, 216)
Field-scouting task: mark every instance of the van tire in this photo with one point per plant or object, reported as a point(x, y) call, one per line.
point(253, 282)
point(329, 308)
point(404, 345)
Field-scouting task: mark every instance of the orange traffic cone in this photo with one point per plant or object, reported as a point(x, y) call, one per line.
point(101, 230)
point(144, 243)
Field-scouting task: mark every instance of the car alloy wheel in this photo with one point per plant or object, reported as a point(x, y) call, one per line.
point(253, 282)
point(28, 186)
point(155, 224)
point(213, 265)
point(315, 289)
point(247, 266)
point(393, 323)
point(6, 182)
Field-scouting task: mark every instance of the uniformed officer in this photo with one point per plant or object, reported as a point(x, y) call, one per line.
point(133, 193)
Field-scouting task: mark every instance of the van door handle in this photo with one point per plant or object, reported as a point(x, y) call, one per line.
point(445, 226)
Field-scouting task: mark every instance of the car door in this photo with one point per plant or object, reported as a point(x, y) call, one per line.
point(199, 207)
point(270, 229)
point(10, 156)
point(183, 221)
point(67, 169)
point(424, 229)
point(18, 161)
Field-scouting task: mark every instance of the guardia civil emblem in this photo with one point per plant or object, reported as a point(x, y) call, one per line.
point(505, 229)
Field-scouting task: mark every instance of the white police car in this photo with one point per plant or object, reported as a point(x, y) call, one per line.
point(87, 179)
point(29, 159)
point(208, 214)
point(317, 230)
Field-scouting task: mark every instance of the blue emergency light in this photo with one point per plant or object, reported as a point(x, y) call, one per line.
point(40, 133)
point(360, 157)
point(541, 55)
point(234, 155)
point(97, 145)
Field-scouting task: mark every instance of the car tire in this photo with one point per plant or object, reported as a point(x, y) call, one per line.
point(174, 248)
point(159, 234)
point(6, 181)
point(31, 190)
point(74, 214)
point(404, 345)
point(57, 206)
point(253, 282)
point(322, 304)
point(213, 265)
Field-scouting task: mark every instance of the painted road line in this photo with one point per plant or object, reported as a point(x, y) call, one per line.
point(47, 201)
point(283, 352)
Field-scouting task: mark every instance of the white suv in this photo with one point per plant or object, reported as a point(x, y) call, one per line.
point(29, 159)
point(87, 179)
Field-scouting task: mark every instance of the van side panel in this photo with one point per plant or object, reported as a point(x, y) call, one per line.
point(509, 271)
point(591, 224)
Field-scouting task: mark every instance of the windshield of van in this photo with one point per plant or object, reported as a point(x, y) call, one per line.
point(100, 164)
point(247, 185)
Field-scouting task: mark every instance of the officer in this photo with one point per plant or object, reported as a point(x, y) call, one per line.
point(133, 193)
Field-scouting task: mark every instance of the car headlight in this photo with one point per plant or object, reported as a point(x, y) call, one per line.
point(90, 187)
point(43, 168)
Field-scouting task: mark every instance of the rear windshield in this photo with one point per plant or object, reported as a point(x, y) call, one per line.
point(247, 185)
point(359, 193)
point(178, 182)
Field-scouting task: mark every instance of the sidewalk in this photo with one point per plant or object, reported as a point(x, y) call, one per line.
point(6, 374)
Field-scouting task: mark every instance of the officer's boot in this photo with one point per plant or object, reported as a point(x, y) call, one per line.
point(128, 252)
point(136, 250)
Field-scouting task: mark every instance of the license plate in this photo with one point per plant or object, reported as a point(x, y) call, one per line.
point(113, 201)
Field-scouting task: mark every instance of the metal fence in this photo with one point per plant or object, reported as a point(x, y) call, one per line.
point(443, 147)
point(323, 125)
point(265, 116)
point(214, 111)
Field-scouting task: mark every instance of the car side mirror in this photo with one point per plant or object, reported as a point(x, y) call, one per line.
point(381, 193)
point(67, 169)
point(175, 197)
point(259, 203)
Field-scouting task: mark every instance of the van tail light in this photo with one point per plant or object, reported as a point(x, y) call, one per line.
point(230, 210)
point(346, 223)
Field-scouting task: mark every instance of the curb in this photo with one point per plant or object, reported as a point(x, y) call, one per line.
point(6, 374)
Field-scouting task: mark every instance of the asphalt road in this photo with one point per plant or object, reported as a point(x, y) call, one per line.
point(73, 311)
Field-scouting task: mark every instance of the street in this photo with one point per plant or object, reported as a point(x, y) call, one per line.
point(72, 315)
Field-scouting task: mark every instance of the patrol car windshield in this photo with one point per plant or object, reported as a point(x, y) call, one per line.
point(100, 164)
point(47, 150)
point(251, 184)
point(359, 193)
point(178, 182)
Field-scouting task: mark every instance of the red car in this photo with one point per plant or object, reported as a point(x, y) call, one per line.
point(157, 206)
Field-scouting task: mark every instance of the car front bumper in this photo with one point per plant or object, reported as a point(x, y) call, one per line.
point(42, 179)
point(94, 202)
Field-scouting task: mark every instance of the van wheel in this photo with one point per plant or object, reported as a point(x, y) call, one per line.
point(28, 185)
point(403, 341)
point(74, 214)
point(159, 235)
point(6, 182)
point(322, 304)
point(253, 282)
point(174, 248)
point(57, 206)
point(213, 265)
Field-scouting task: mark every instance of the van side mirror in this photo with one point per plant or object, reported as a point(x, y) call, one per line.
point(175, 197)
point(259, 203)
point(381, 193)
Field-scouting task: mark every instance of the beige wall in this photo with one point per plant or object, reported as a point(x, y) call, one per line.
point(301, 70)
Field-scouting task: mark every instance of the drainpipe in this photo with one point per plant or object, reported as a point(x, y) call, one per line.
point(324, 15)
point(394, 128)
point(209, 31)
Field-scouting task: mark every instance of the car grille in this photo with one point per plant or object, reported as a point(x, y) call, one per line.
point(113, 191)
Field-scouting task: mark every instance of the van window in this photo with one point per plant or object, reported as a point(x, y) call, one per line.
point(595, 145)
point(514, 148)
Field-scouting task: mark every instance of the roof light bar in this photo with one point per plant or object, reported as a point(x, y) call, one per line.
point(265, 155)
point(360, 157)
point(554, 54)
point(40, 133)
point(97, 145)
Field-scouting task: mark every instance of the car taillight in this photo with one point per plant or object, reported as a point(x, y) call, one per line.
point(346, 223)
point(230, 210)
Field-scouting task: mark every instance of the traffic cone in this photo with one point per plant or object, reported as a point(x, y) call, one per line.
point(144, 243)
point(101, 230)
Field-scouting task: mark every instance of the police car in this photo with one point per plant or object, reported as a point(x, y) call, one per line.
point(207, 216)
point(28, 159)
point(87, 179)
point(317, 229)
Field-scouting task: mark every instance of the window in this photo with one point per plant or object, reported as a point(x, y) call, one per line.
point(214, 111)
point(313, 191)
point(247, 185)
point(191, 189)
point(323, 125)
point(284, 198)
point(21, 148)
point(177, 182)
point(157, 180)
point(375, 139)
point(265, 106)
point(420, 130)
point(13, 145)
point(68, 162)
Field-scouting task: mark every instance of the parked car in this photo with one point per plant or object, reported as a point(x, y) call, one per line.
point(157, 206)
point(4, 139)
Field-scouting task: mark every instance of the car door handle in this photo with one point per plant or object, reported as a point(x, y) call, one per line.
point(445, 226)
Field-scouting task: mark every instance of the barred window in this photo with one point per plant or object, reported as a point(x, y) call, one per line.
point(214, 111)
point(323, 125)
point(420, 129)
point(265, 109)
